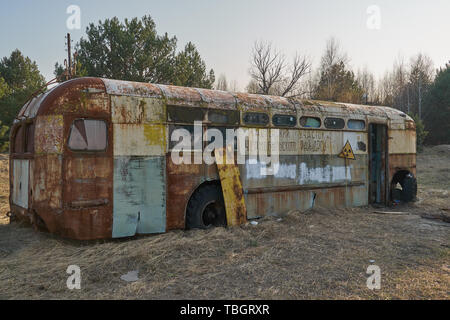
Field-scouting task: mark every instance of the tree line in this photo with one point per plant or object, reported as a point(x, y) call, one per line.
point(130, 50)
point(413, 87)
point(133, 50)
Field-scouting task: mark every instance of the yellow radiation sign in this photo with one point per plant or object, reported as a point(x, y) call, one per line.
point(347, 152)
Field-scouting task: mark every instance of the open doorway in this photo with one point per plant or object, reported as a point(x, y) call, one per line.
point(377, 163)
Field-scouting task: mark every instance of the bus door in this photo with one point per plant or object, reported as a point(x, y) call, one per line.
point(377, 163)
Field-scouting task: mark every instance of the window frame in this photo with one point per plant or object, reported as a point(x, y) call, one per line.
point(88, 151)
point(175, 110)
point(313, 117)
point(285, 115)
point(334, 118)
point(267, 124)
point(359, 120)
point(228, 114)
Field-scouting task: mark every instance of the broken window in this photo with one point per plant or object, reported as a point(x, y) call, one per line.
point(310, 122)
point(356, 124)
point(334, 123)
point(281, 120)
point(185, 114)
point(224, 117)
point(88, 135)
point(261, 119)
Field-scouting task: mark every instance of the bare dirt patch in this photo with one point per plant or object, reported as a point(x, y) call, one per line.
point(316, 254)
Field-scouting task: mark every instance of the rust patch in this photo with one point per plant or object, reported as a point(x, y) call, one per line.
point(49, 134)
point(399, 162)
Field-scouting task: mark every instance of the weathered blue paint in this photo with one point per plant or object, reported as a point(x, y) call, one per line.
point(139, 196)
point(335, 182)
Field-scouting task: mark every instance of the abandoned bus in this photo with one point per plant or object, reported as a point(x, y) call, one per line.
point(90, 158)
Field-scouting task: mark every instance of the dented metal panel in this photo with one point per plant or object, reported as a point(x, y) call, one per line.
point(139, 196)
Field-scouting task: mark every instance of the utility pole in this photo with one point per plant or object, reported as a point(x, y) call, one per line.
point(70, 56)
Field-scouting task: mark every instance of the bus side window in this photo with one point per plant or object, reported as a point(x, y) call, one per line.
point(185, 114)
point(88, 135)
point(334, 123)
point(260, 119)
point(310, 122)
point(356, 124)
point(281, 120)
point(223, 117)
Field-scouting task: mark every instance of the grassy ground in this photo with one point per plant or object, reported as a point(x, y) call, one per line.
point(316, 254)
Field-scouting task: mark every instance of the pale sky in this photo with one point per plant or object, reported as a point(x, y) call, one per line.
point(224, 31)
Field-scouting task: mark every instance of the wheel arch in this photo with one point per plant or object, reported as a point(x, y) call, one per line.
point(194, 190)
point(398, 177)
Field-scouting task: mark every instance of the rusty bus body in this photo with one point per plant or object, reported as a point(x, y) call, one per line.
point(129, 185)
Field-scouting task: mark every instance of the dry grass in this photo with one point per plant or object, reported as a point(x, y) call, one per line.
point(4, 188)
point(319, 254)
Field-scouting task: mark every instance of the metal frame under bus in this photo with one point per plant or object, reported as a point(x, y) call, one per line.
point(90, 158)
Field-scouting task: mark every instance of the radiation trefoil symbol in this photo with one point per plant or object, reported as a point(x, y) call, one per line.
point(347, 152)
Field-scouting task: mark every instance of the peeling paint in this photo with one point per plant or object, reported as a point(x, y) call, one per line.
point(133, 187)
point(140, 140)
point(139, 196)
point(20, 183)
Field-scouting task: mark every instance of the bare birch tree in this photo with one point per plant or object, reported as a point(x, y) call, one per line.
point(366, 81)
point(273, 75)
point(333, 56)
point(222, 83)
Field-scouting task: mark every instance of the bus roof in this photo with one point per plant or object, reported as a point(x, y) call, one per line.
point(49, 101)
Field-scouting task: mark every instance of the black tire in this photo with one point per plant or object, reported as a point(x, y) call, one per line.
point(409, 188)
point(206, 208)
point(397, 195)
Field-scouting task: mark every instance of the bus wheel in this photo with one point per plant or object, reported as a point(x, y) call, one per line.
point(206, 208)
point(409, 188)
